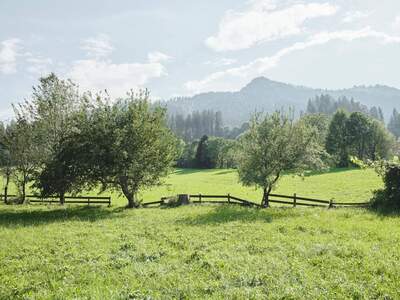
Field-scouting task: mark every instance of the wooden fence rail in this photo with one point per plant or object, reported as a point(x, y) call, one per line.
point(272, 198)
point(68, 199)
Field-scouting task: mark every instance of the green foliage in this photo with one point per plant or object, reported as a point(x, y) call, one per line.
point(22, 154)
point(273, 144)
point(213, 152)
point(336, 143)
point(222, 152)
point(49, 115)
point(357, 135)
point(327, 105)
point(187, 157)
point(202, 158)
point(127, 146)
point(387, 198)
point(394, 123)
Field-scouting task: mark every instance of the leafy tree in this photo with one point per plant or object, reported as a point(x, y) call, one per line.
point(394, 123)
point(6, 167)
point(321, 123)
point(49, 112)
point(202, 156)
point(328, 105)
point(20, 140)
point(274, 143)
point(336, 143)
point(128, 146)
point(187, 157)
point(381, 142)
point(358, 134)
point(387, 198)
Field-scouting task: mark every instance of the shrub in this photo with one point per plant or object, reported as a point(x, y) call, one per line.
point(389, 196)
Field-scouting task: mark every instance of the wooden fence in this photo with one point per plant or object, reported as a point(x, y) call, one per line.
point(293, 201)
point(68, 199)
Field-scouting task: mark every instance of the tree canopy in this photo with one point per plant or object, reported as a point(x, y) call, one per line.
point(274, 143)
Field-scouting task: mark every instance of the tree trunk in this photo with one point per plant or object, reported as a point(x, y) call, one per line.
point(5, 195)
point(265, 202)
point(6, 188)
point(131, 201)
point(129, 194)
point(23, 192)
point(62, 198)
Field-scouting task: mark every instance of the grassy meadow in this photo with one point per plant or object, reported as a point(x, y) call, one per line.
point(345, 185)
point(197, 252)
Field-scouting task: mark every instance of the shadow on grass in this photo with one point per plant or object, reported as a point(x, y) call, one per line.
point(384, 212)
point(33, 216)
point(328, 171)
point(192, 171)
point(226, 213)
point(225, 172)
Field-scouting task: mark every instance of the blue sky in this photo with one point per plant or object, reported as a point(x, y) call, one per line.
point(178, 48)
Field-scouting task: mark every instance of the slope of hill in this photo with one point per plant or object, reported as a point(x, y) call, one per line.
point(263, 94)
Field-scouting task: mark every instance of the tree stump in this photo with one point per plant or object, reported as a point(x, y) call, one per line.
point(183, 199)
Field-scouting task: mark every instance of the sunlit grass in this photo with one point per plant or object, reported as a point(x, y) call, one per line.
point(197, 252)
point(343, 185)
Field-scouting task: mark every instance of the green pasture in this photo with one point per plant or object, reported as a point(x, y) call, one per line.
point(345, 185)
point(205, 252)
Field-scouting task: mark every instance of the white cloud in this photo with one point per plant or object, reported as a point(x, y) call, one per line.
point(39, 65)
point(9, 51)
point(118, 79)
point(221, 62)
point(98, 46)
point(352, 16)
point(262, 21)
point(98, 72)
point(396, 23)
point(158, 57)
point(231, 79)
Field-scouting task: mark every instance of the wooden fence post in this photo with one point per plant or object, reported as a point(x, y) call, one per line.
point(88, 201)
point(330, 204)
point(109, 201)
point(5, 195)
point(294, 200)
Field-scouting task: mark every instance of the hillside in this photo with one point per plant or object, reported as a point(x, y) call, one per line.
point(263, 94)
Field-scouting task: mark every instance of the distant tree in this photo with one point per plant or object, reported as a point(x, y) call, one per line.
point(358, 134)
point(187, 157)
point(202, 158)
point(219, 130)
point(394, 123)
point(328, 105)
point(274, 143)
point(321, 123)
point(376, 113)
point(381, 142)
point(222, 152)
point(336, 143)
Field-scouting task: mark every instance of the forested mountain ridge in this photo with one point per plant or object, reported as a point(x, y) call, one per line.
point(263, 94)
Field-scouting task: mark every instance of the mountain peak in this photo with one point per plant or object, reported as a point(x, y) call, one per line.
point(259, 81)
